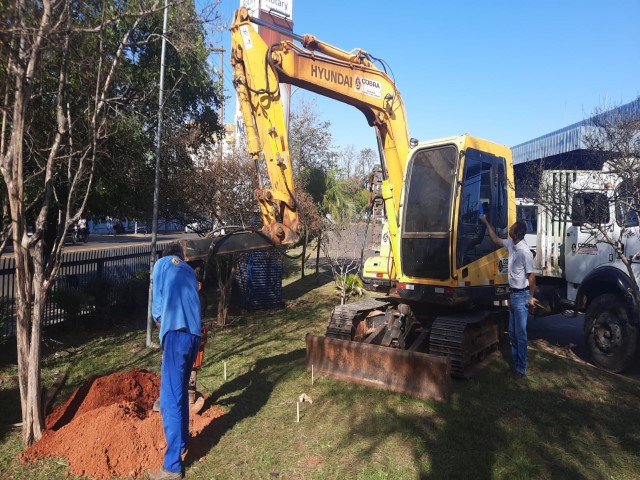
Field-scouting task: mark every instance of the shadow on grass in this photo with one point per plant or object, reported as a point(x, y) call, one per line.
point(496, 427)
point(266, 331)
point(304, 285)
point(10, 408)
point(246, 395)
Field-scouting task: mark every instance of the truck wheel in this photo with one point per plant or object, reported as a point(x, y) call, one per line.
point(610, 338)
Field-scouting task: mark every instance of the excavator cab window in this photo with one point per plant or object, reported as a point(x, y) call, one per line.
point(426, 233)
point(483, 192)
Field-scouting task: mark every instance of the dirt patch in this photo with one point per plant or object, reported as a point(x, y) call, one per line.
point(312, 461)
point(107, 428)
point(560, 351)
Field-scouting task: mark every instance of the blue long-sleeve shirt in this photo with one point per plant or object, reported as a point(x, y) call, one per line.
point(176, 304)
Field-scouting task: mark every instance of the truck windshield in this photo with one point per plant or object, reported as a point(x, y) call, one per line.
point(627, 205)
point(425, 227)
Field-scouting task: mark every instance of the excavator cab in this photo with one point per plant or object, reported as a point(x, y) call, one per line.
point(447, 257)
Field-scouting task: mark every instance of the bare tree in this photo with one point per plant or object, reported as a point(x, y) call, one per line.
point(313, 226)
point(62, 86)
point(614, 135)
point(220, 192)
point(309, 140)
point(348, 161)
point(342, 247)
point(367, 160)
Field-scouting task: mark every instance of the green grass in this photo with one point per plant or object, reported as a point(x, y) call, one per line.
point(567, 420)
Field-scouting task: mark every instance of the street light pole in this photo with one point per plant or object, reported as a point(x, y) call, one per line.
point(221, 111)
point(156, 189)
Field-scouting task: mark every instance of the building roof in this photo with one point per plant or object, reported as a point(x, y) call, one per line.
point(568, 139)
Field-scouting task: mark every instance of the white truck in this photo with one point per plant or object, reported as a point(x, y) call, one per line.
point(587, 249)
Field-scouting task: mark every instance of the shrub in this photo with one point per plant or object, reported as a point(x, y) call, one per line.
point(101, 293)
point(132, 295)
point(72, 301)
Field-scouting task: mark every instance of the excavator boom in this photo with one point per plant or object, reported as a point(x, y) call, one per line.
point(348, 77)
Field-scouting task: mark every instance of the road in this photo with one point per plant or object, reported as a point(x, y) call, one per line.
point(99, 242)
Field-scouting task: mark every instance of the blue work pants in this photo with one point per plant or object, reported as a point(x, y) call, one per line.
point(179, 353)
point(518, 312)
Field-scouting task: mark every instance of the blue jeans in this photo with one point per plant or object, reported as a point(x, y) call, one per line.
point(518, 313)
point(179, 353)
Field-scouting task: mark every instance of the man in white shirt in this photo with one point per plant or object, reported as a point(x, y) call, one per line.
point(522, 282)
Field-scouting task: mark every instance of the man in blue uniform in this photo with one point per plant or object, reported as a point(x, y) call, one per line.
point(176, 310)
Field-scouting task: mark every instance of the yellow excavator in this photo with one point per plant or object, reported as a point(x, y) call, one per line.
point(447, 307)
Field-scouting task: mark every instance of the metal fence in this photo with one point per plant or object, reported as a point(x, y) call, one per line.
point(78, 270)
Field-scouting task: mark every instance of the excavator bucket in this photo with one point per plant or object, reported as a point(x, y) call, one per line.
point(243, 241)
point(415, 373)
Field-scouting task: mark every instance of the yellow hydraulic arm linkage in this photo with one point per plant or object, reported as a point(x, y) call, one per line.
point(348, 77)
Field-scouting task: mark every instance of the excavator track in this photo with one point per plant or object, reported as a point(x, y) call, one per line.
point(338, 356)
point(343, 317)
point(464, 339)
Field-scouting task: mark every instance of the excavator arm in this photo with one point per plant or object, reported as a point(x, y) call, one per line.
point(351, 78)
point(443, 315)
point(348, 77)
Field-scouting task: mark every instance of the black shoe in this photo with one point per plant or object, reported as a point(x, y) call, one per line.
point(518, 376)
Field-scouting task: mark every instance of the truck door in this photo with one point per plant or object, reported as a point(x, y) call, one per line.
point(627, 222)
point(583, 249)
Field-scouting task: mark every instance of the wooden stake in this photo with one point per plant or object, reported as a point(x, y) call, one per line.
point(225, 371)
point(312, 374)
point(297, 412)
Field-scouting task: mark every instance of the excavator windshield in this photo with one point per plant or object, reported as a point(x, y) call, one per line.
point(442, 209)
point(426, 235)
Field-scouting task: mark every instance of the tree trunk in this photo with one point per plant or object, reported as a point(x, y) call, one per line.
point(304, 251)
point(28, 331)
point(318, 255)
point(226, 274)
point(28, 325)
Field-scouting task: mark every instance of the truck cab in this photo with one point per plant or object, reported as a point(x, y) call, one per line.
point(588, 263)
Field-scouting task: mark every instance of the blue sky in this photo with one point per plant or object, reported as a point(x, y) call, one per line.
point(507, 71)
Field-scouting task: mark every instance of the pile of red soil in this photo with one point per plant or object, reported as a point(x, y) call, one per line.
point(107, 428)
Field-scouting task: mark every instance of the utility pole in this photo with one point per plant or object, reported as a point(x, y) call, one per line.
point(221, 51)
point(156, 189)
